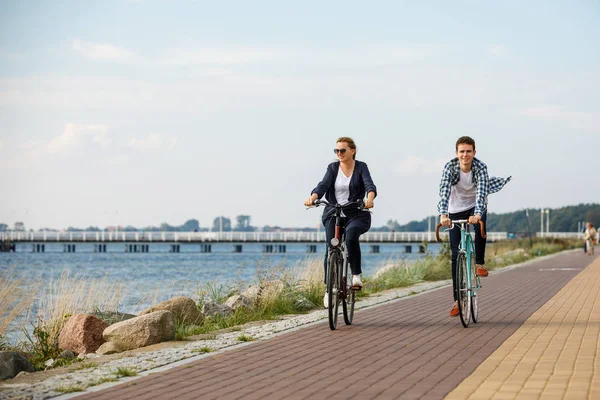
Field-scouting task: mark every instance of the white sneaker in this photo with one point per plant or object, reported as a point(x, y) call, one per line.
point(326, 301)
point(356, 282)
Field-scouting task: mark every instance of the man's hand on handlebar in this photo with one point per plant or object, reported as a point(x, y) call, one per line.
point(474, 219)
point(445, 221)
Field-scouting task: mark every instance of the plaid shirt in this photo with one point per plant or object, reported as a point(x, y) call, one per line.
point(484, 184)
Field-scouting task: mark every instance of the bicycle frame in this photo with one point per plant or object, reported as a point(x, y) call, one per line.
point(338, 290)
point(472, 283)
point(467, 247)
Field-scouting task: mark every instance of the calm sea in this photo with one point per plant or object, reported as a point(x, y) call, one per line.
point(160, 274)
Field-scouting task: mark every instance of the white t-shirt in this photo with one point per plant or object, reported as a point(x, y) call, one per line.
point(342, 187)
point(463, 194)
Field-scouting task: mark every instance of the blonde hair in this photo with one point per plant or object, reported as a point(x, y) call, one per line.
point(350, 144)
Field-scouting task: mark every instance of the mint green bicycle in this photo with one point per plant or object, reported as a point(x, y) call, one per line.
point(467, 282)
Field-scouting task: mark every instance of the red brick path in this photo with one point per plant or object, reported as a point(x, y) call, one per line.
point(409, 349)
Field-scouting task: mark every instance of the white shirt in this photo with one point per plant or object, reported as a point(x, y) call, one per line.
point(463, 194)
point(342, 187)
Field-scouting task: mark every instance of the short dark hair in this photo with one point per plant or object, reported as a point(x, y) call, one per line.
point(465, 140)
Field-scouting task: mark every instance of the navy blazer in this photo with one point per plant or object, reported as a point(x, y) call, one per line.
point(360, 184)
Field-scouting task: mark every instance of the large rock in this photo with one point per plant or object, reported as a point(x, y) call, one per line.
point(112, 317)
point(12, 363)
point(184, 310)
point(82, 333)
point(237, 300)
point(211, 308)
point(108, 348)
point(141, 331)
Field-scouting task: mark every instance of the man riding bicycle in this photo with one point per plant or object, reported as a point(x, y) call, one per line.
point(464, 188)
point(345, 181)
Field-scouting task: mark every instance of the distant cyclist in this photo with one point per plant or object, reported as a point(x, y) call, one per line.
point(346, 180)
point(464, 188)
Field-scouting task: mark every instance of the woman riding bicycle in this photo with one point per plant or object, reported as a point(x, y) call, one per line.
point(346, 180)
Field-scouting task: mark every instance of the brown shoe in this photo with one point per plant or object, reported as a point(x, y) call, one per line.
point(481, 271)
point(454, 311)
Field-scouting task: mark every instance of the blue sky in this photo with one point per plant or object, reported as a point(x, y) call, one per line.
point(142, 112)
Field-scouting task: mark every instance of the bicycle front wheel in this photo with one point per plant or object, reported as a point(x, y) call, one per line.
point(333, 292)
point(474, 291)
point(348, 302)
point(462, 284)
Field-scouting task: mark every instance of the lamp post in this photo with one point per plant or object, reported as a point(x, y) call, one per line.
point(542, 222)
point(542, 212)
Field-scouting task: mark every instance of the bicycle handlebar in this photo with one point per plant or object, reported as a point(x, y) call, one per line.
point(460, 222)
point(359, 203)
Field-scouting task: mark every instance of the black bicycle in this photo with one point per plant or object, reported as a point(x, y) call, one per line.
point(338, 282)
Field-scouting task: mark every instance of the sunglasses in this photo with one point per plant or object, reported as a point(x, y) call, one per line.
point(341, 151)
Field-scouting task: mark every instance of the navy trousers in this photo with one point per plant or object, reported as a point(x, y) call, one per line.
point(356, 223)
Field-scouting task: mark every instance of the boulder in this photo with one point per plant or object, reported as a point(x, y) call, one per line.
point(112, 317)
point(252, 293)
point(67, 355)
point(141, 331)
point(211, 308)
point(108, 348)
point(12, 363)
point(82, 333)
point(184, 310)
point(270, 289)
point(237, 300)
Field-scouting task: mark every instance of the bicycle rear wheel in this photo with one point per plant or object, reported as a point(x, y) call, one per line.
point(462, 283)
point(333, 288)
point(348, 302)
point(474, 290)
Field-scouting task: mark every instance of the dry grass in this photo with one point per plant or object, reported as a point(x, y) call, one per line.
point(15, 300)
point(70, 295)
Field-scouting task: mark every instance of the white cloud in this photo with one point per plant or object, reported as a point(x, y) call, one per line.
point(589, 121)
point(102, 51)
point(74, 133)
point(1, 145)
point(498, 51)
point(119, 159)
point(154, 141)
point(418, 166)
point(212, 56)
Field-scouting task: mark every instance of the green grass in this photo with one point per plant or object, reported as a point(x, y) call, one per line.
point(203, 350)
point(69, 389)
point(245, 338)
point(123, 371)
point(83, 365)
point(102, 380)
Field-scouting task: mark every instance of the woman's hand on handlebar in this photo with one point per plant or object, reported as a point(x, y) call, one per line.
point(310, 201)
point(369, 204)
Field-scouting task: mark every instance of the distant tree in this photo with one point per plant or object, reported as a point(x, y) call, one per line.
point(129, 228)
point(243, 224)
point(3, 227)
point(19, 226)
point(221, 223)
point(164, 227)
point(190, 225)
point(93, 229)
point(73, 229)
